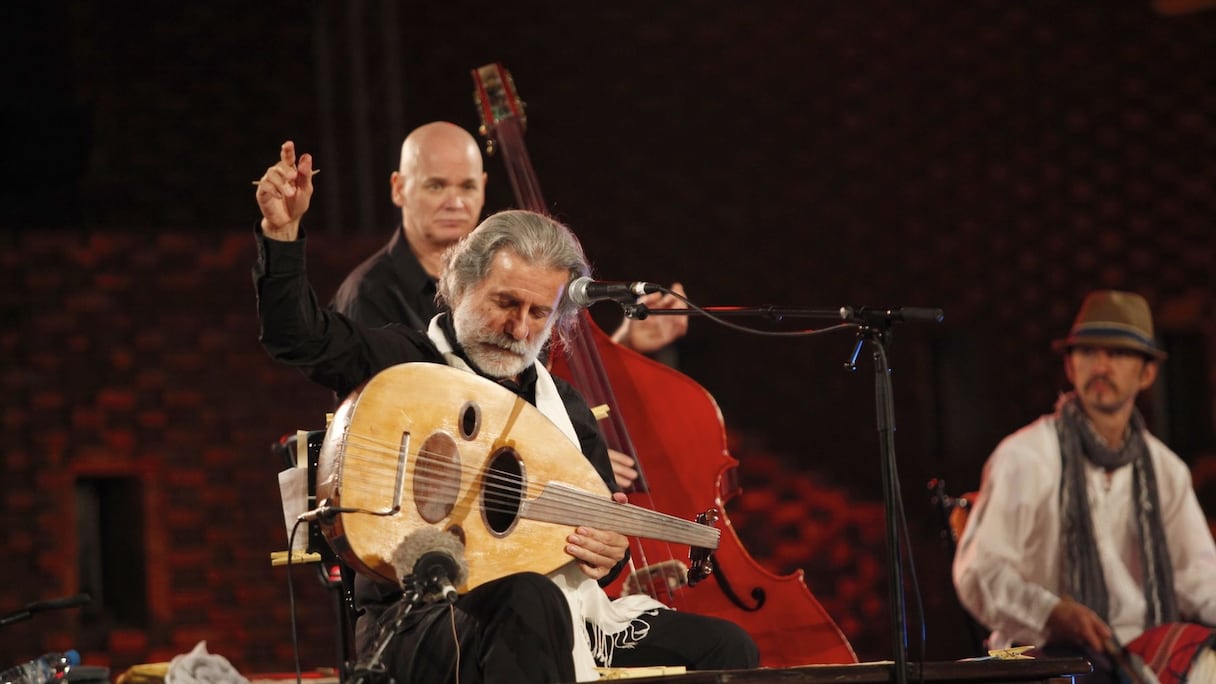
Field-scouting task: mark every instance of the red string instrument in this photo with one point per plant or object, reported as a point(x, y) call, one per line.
point(674, 430)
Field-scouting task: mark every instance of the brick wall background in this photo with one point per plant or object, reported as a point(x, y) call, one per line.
point(997, 160)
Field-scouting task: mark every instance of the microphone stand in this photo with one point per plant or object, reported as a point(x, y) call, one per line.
point(39, 606)
point(877, 330)
point(873, 325)
point(640, 312)
point(373, 670)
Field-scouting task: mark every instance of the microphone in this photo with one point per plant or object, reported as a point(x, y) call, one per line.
point(434, 561)
point(584, 291)
point(435, 572)
point(875, 315)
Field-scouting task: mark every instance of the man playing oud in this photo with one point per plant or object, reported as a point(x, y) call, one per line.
point(505, 286)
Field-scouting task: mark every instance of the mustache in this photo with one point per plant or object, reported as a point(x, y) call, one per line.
point(1101, 378)
point(504, 342)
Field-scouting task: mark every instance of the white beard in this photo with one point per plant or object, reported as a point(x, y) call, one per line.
point(495, 353)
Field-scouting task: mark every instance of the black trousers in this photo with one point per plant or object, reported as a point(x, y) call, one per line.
point(517, 630)
point(698, 642)
point(514, 629)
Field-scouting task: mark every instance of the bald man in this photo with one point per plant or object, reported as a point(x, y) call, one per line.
point(440, 187)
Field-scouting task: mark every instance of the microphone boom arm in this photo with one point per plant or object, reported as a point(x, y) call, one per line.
point(39, 606)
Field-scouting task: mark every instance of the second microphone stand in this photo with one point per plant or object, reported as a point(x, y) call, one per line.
point(873, 325)
point(877, 331)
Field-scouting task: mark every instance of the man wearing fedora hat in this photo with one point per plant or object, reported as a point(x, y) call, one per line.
point(1087, 531)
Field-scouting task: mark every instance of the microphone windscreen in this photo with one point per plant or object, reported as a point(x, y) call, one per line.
point(576, 292)
point(424, 540)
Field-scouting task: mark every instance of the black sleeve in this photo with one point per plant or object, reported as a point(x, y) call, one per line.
point(591, 441)
point(329, 348)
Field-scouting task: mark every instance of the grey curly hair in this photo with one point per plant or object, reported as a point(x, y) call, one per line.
point(536, 238)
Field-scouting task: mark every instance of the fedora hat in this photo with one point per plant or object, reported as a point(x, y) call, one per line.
point(1114, 319)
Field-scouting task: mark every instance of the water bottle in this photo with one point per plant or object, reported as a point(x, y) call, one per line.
point(49, 667)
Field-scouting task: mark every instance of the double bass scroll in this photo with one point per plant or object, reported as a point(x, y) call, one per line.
point(673, 429)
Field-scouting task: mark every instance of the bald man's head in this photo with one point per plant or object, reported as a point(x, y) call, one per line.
point(439, 185)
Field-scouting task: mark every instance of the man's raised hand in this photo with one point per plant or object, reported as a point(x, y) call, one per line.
point(284, 193)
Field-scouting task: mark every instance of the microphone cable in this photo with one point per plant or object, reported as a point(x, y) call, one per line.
point(638, 311)
point(322, 512)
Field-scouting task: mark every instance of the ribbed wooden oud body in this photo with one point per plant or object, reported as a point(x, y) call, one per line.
point(362, 465)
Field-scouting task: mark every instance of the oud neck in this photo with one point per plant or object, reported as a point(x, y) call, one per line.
point(565, 505)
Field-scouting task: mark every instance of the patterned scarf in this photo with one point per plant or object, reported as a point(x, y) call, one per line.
point(1080, 567)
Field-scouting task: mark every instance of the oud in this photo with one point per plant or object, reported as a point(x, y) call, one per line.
point(426, 445)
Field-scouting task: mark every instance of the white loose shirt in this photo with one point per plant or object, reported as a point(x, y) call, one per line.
point(1006, 570)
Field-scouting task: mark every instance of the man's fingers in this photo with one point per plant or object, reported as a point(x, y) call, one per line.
point(1094, 637)
point(603, 543)
point(287, 153)
point(622, 468)
point(592, 561)
point(306, 172)
point(277, 181)
point(650, 298)
point(285, 175)
point(669, 302)
point(596, 550)
point(672, 301)
point(289, 175)
point(624, 475)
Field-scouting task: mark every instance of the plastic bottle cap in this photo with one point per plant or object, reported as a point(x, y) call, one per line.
point(72, 656)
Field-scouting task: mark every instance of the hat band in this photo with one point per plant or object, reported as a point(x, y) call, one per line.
point(1113, 331)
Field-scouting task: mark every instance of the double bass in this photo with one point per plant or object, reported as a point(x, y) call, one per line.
point(674, 430)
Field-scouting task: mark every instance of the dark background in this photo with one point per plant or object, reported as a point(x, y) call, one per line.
point(994, 159)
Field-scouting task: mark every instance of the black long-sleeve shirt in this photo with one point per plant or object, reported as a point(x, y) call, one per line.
point(340, 354)
point(390, 286)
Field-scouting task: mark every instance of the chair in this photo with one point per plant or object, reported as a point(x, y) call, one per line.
point(953, 512)
point(334, 574)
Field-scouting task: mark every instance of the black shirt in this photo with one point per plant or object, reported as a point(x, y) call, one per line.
point(390, 286)
point(339, 353)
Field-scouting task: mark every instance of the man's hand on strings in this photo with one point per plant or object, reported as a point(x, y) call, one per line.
point(284, 193)
point(598, 551)
point(624, 468)
point(654, 332)
point(1073, 622)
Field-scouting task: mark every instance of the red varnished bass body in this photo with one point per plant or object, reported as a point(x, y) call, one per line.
point(674, 430)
